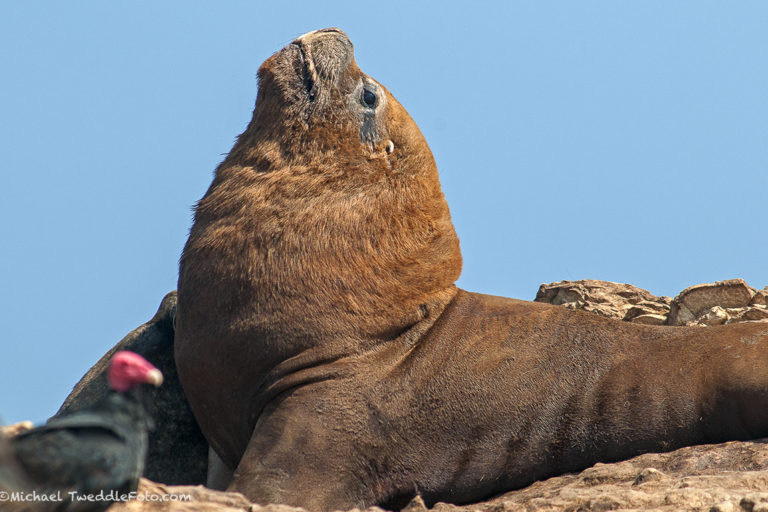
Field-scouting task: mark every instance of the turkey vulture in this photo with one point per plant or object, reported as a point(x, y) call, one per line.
point(90, 457)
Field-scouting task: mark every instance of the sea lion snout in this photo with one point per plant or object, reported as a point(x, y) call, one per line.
point(327, 53)
point(323, 32)
point(325, 100)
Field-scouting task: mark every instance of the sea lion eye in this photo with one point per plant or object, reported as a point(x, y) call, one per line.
point(369, 98)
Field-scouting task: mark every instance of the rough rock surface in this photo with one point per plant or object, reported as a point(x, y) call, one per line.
point(12, 477)
point(178, 452)
point(16, 428)
point(613, 300)
point(152, 496)
point(725, 477)
point(691, 478)
point(717, 303)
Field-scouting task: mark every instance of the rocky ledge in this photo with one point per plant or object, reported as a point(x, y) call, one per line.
point(725, 477)
point(720, 478)
point(717, 303)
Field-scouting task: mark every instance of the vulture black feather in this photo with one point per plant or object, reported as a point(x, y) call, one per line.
point(87, 459)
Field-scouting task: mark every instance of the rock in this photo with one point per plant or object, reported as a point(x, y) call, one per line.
point(12, 476)
point(755, 313)
point(650, 319)
point(657, 308)
point(154, 497)
point(713, 316)
point(725, 506)
point(416, 505)
point(648, 475)
point(719, 316)
point(757, 502)
point(691, 478)
point(723, 477)
point(695, 300)
point(760, 298)
point(178, 452)
point(613, 300)
point(719, 303)
point(16, 428)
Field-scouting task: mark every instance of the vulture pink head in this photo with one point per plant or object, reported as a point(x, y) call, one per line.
point(128, 370)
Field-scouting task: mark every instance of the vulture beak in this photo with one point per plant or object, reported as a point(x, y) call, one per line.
point(154, 377)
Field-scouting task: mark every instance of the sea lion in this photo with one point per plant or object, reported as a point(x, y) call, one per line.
point(177, 451)
point(332, 362)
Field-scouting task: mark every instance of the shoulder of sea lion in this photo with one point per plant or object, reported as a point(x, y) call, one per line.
point(494, 304)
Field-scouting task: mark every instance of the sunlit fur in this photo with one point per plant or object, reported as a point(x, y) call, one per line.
point(309, 237)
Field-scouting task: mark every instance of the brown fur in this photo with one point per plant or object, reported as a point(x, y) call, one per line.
point(328, 356)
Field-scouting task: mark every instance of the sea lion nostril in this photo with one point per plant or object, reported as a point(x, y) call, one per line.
point(325, 56)
point(309, 82)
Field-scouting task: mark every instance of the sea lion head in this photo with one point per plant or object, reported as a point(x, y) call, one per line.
point(327, 215)
point(318, 106)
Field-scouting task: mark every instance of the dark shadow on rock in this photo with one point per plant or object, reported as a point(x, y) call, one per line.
point(178, 452)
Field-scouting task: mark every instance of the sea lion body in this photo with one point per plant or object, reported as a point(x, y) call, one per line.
point(331, 361)
point(499, 393)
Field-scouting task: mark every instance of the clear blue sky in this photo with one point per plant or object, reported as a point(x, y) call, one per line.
point(615, 140)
